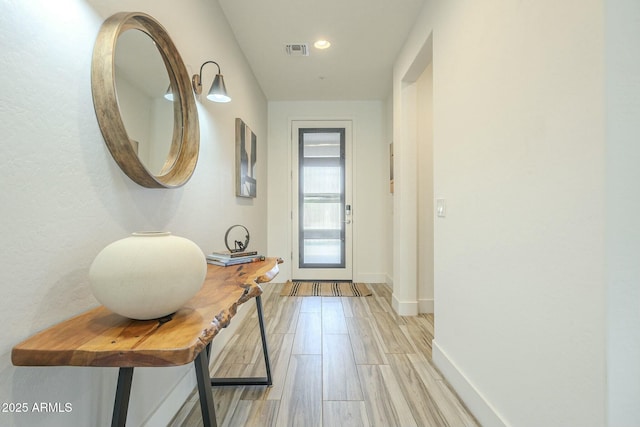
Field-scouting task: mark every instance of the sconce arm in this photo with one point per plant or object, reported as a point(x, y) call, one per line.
point(196, 80)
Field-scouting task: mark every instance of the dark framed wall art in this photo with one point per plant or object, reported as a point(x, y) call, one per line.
point(246, 157)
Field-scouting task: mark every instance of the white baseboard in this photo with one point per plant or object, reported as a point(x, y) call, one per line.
point(370, 278)
point(470, 395)
point(425, 305)
point(389, 280)
point(404, 308)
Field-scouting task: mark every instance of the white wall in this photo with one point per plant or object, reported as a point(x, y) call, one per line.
point(405, 205)
point(388, 112)
point(623, 212)
point(371, 182)
point(424, 109)
point(519, 142)
point(64, 198)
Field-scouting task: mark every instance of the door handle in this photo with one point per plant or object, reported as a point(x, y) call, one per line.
point(347, 221)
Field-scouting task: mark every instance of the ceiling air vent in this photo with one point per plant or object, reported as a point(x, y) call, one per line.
point(297, 49)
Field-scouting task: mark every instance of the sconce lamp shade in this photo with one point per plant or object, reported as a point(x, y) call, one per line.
point(218, 91)
point(168, 94)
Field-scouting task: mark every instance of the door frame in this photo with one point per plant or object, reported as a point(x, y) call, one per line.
point(320, 274)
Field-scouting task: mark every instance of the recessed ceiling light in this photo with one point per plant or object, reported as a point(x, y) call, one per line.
point(321, 44)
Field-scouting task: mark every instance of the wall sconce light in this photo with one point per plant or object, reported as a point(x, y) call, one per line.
point(218, 91)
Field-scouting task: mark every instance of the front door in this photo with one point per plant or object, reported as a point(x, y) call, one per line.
point(322, 207)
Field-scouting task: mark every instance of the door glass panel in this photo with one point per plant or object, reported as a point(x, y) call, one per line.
point(321, 198)
point(322, 251)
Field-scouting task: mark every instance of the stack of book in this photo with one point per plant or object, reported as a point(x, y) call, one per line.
point(226, 258)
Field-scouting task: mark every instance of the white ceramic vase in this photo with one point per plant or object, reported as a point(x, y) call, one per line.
point(148, 274)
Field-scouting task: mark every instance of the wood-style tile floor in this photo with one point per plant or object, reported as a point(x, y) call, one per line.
point(335, 362)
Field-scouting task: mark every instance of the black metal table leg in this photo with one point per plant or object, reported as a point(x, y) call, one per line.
point(263, 335)
point(265, 351)
point(123, 391)
point(204, 390)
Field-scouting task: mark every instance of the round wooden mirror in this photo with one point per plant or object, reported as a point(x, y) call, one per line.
point(180, 154)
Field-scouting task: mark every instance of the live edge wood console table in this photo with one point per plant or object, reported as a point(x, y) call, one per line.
point(100, 337)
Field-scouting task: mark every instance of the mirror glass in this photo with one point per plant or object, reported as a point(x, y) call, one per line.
point(141, 81)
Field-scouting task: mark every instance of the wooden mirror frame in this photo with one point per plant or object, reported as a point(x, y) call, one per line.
point(183, 154)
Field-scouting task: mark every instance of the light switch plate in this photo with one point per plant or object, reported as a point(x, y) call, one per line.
point(441, 208)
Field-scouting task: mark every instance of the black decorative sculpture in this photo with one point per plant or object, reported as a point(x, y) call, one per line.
point(238, 246)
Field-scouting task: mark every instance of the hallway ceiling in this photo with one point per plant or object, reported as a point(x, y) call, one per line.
point(365, 36)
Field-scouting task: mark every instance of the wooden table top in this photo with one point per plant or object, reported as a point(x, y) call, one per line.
point(100, 337)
